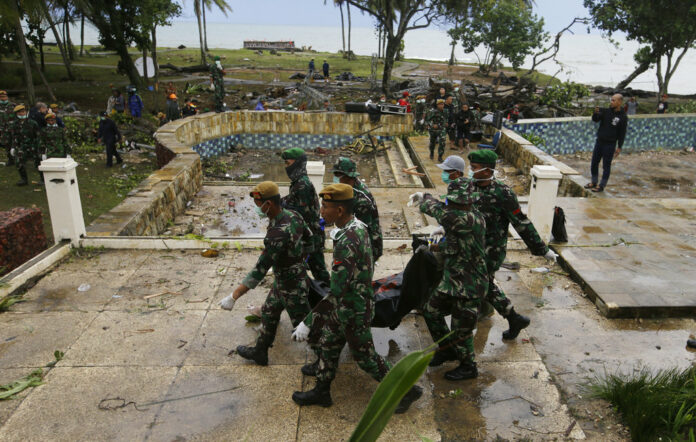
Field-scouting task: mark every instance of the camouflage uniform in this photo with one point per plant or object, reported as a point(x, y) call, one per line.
point(284, 251)
point(216, 75)
point(464, 278)
point(365, 209)
point(450, 111)
point(348, 310)
point(53, 142)
point(499, 206)
point(25, 142)
point(303, 199)
point(437, 117)
point(6, 118)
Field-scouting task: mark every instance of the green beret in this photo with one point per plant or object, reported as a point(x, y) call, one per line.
point(337, 192)
point(483, 156)
point(217, 58)
point(264, 190)
point(346, 166)
point(461, 195)
point(293, 154)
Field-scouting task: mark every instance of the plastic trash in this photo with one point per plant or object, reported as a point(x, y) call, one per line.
point(540, 270)
point(84, 287)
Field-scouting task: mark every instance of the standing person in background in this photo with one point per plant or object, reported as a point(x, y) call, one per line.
point(436, 122)
point(403, 101)
point(463, 122)
point(171, 89)
point(631, 106)
point(6, 117)
point(216, 73)
point(109, 135)
point(173, 112)
point(38, 113)
point(53, 108)
point(662, 105)
point(135, 103)
point(116, 103)
point(450, 110)
point(325, 68)
point(612, 130)
point(52, 139)
point(24, 132)
point(311, 67)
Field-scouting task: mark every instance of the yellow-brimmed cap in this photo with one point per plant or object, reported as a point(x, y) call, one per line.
point(264, 190)
point(19, 107)
point(337, 192)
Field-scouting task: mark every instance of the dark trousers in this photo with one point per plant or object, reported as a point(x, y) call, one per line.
point(110, 153)
point(604, 151)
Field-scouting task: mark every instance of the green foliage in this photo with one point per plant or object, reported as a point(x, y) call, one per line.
point(122, 184)
point(660, 405)
point(389, 392)
point(688, 107)
point(507, 28)
point(563, 94)
point(8, 302)
point(35, 378)
point(79, 130)
point(533, 138)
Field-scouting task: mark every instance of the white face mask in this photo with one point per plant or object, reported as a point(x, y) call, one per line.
point(22, 117)
point(471, 174)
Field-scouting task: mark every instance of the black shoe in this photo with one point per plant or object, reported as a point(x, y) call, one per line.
point(310, 369)
point(439, 158)
point(442, 356)
point(516, 322)
point(466, 370)
point(256, 354)
point(431, 154)
point(9, 162)
point(412, 396)
point(319, 395)
point(119, 160)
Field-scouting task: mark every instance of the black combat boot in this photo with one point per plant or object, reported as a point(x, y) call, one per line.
point(443, 355)
point(319, 395)
point(24, 179)
point(432, 154)
point(310, 369)
point(517, 322)
point(439, 158)
point(258, 354)
point(412, 396)
point(466, 370)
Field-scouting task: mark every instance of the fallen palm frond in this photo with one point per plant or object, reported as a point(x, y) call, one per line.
point(33, 379)
point(654, 405)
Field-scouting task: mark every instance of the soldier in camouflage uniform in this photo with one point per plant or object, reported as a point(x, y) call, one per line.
point(436, 122)
point(302, 198)
point(6, 117)
point(364, 204)
point(52, 139)
point(499, 206)
point(464, 279)
point(216, 74)
point(350, 303)
point(451, 111)
point(24, 133)
point(284, 252)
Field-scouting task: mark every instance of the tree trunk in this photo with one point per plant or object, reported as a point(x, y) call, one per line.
point(61, 46)
point(31, 95)
point(350, 56)
point(197, 8)
point(41, 52)
point(451, 60)
point(639, 70)
point(82, 36)
point(384, 44)
point(379, 44)
point(205, 28)
point(343, 30)
point(127, 63)
point(43, 79)
point(154, 61)
point(68, 41)
point(145, 66)
point(389, 55)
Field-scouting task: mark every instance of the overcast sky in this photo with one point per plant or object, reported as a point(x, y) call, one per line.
point(556, 13)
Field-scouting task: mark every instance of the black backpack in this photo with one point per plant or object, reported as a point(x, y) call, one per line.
point(558, 229)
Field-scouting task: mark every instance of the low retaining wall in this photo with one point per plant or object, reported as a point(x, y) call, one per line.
point(645, 132)
point(524, 155)
point(21, 237)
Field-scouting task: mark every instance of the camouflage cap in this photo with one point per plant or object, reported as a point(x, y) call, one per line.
point(337, 192)
point(483, 156)
point(264, 190)
point(19, 107)
point(346, 166)
point(293, 154)
point(50, 115)
point(461, 195)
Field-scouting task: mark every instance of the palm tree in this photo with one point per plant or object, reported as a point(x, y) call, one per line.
point(349, 26)
point(339, 3)
point(199, 7)
point(12, 14)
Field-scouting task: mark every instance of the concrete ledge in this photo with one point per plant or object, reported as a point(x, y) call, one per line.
point(33, 268)
point(222, 243)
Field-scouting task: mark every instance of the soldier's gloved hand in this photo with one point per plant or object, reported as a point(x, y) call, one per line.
point(415, 199)
point(437, 234)
point(551, 256)
point(43, 157)
point(13, 151)
point(301, 333)
point(227, 302)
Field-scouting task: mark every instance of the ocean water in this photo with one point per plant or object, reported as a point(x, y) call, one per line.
point(585, 58)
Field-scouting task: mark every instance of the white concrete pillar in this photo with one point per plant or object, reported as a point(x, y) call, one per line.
point(63, 199)
point(315, 171)
point(542, 198)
